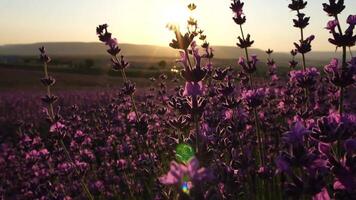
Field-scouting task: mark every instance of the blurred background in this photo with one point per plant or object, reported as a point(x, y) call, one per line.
point(67, 29)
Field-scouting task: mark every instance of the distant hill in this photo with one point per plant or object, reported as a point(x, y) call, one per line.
point(98, 49)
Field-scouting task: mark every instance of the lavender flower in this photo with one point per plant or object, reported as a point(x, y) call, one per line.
point(191, 174)
point(254, 98)
point(304, 79)
point(348, 39)
point(334, 8)
point(297, 5)
point(193, 89)
point(296, 134)
point(305, 45)
point(340, 77)
point(351, 20)
point(250, 66)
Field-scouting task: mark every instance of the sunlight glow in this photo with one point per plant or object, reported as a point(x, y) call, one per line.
point(177, 15)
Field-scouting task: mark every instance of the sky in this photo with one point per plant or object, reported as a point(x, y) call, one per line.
point(144, 21)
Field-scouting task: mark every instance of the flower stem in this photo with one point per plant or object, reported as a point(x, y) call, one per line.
point(341, 97)
point(246, 51)
point(259, 138)
point(48, 88)
point(123, 73)
point(302, 39)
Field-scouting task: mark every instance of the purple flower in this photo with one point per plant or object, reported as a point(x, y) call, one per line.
point(254, 98)
point(331, 25)
point(323, 195)
point(334, 127)
point(283, 163)
point(250, 66)
point(296, 134)
point(180, 173)
point(324, 148)
point(341, 77)
point(193, 89)
point(333, 66)
point(350, 146)
point(236, 7)
point(345, 174)
point(56, 127)
point(305, 45)
point(105, 37)
point(183, 59)
point(347, 39)
point(304, 79)
point(351, 20)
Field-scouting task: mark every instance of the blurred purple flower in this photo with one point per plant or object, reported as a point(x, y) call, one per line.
point(296, 134)
point(56, 127)
point(323, 195)
point(178, 173)
point(345, 173)
point(350, 146)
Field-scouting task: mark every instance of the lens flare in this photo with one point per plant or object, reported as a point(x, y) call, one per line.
point(184, 153)
point(185, 187)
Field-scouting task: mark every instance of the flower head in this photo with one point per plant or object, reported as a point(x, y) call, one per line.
point(254, 98)
point(105, 37)
point(193, 89)
point(334, 8)
point(305, 45)
point(245, 43)
point(296, 134)
point(302, 21)
point(351, 20)
point(304, 79)
point(236, 7)
point(250, 66)
point(341, 77)
point(331, 25)
point(297, 5)
point(43, 56)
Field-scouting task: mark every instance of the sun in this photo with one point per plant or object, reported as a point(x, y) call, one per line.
point(177, 15)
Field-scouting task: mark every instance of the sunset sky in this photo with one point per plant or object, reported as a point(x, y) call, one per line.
point(143, 21)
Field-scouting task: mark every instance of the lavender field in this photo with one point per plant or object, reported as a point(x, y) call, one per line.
point(250, 130)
